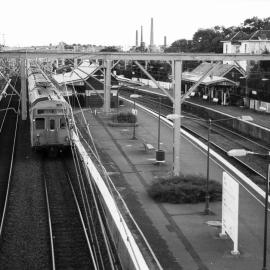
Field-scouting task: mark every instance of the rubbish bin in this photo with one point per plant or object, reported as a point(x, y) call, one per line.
point(160, 155)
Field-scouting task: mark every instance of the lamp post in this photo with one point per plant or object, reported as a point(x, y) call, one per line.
point(246, 89)
point(159, 124)
point(134, 96)
point(210, 121)
point(207, 197)
point(160, 154)
point(118, 91)
point(265, 86)
point(241, 153)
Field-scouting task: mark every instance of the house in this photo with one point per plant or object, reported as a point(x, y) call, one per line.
point(256, 43)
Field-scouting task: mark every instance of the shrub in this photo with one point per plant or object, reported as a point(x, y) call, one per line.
point(184, 189)
point(124, 117)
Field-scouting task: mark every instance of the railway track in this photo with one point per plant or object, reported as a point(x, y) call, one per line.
point(8, 135)
point(78, 231)
point(222, 139)
point(70, 246)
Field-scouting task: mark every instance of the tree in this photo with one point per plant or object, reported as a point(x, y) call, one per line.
point(208, 40)
point(181, 45)
point(109, 49)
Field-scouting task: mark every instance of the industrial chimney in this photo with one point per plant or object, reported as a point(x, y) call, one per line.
point(151, 36)
point(141, 36)
point(136, 44)
point(165, 41)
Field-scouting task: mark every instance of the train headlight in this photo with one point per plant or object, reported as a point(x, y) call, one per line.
point(67, 139)
point(38, 135)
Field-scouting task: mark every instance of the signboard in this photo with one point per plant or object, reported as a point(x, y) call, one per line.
point(78, 83)
point(88, 93)
point(134, 111)
point(230, 206)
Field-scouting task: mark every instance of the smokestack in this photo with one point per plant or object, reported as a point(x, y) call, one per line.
point(141, 36)
point(136, 38)
point(165, 41)
point(152, 35)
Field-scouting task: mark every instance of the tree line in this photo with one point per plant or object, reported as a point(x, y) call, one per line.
point(209, 40)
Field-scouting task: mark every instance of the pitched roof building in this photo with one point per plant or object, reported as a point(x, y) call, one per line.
point(256, 43)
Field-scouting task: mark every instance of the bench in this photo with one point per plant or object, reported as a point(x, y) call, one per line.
point(148, 146)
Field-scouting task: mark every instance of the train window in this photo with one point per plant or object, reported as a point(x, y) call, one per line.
point(62, 122)
point(40, 111)
point(40, 123)
point(52, 124)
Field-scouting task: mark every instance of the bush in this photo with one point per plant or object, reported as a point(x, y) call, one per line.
point(184, 189)
point(124, 117)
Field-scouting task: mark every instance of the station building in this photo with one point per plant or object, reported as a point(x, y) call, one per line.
point(87, 81)
point(220, 87)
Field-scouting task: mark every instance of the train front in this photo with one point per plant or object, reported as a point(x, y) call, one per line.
point(50, 115)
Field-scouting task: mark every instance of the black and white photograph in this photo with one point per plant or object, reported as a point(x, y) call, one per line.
point(135, 135)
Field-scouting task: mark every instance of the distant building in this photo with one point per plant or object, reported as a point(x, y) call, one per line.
point(218, 86)
point(256, 43)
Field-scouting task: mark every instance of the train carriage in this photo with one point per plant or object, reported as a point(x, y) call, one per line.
point(50, 114)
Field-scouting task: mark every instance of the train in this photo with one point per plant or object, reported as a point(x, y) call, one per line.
point(50, 114)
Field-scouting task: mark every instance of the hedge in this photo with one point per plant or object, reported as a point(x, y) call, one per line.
point(124, 117)
point(184, 189)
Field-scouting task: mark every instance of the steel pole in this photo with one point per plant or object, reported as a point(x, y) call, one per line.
point(159, 126)
point(23, 89)
point(246, 90)
point(177, 111)
point(266, 220)
point(134, 123)
point(207, 197)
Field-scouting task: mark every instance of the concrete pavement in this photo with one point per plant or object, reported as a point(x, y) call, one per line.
point(179, 234)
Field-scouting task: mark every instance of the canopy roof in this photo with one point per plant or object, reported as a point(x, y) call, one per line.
point(81, 73)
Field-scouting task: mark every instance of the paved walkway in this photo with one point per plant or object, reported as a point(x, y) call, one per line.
point(179, 234)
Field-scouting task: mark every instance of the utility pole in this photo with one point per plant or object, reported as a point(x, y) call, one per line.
point(107, 86)
point(23, 89)
point(177, 111)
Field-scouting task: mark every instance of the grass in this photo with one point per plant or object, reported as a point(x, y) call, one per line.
point(184, 189)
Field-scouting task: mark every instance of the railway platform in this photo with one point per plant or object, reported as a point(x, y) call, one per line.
point(181, 236)
point(259, 118)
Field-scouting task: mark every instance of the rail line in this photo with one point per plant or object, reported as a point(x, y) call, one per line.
point(69, 242)
point(220, 138)
point(8, 182)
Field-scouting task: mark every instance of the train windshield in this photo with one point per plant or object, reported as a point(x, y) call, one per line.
point(40, 123)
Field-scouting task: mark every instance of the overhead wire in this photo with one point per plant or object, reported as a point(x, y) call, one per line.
point(106, 178)
point(65, 111)
point(94, 196)
point(92, 251)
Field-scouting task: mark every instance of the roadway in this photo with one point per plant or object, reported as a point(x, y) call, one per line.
point(179, 234)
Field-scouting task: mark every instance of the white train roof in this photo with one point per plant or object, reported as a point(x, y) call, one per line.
point(40, 94)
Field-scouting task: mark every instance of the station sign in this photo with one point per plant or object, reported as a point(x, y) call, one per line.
point(134, 111)
point(88, 93)
point(230, 207)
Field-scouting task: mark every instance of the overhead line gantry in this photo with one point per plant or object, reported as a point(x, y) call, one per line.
point(176, 60)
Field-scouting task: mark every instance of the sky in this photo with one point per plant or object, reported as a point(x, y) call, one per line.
point(114, 22)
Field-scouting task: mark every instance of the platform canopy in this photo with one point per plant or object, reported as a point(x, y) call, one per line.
point(80, 74)
point(209, 80)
